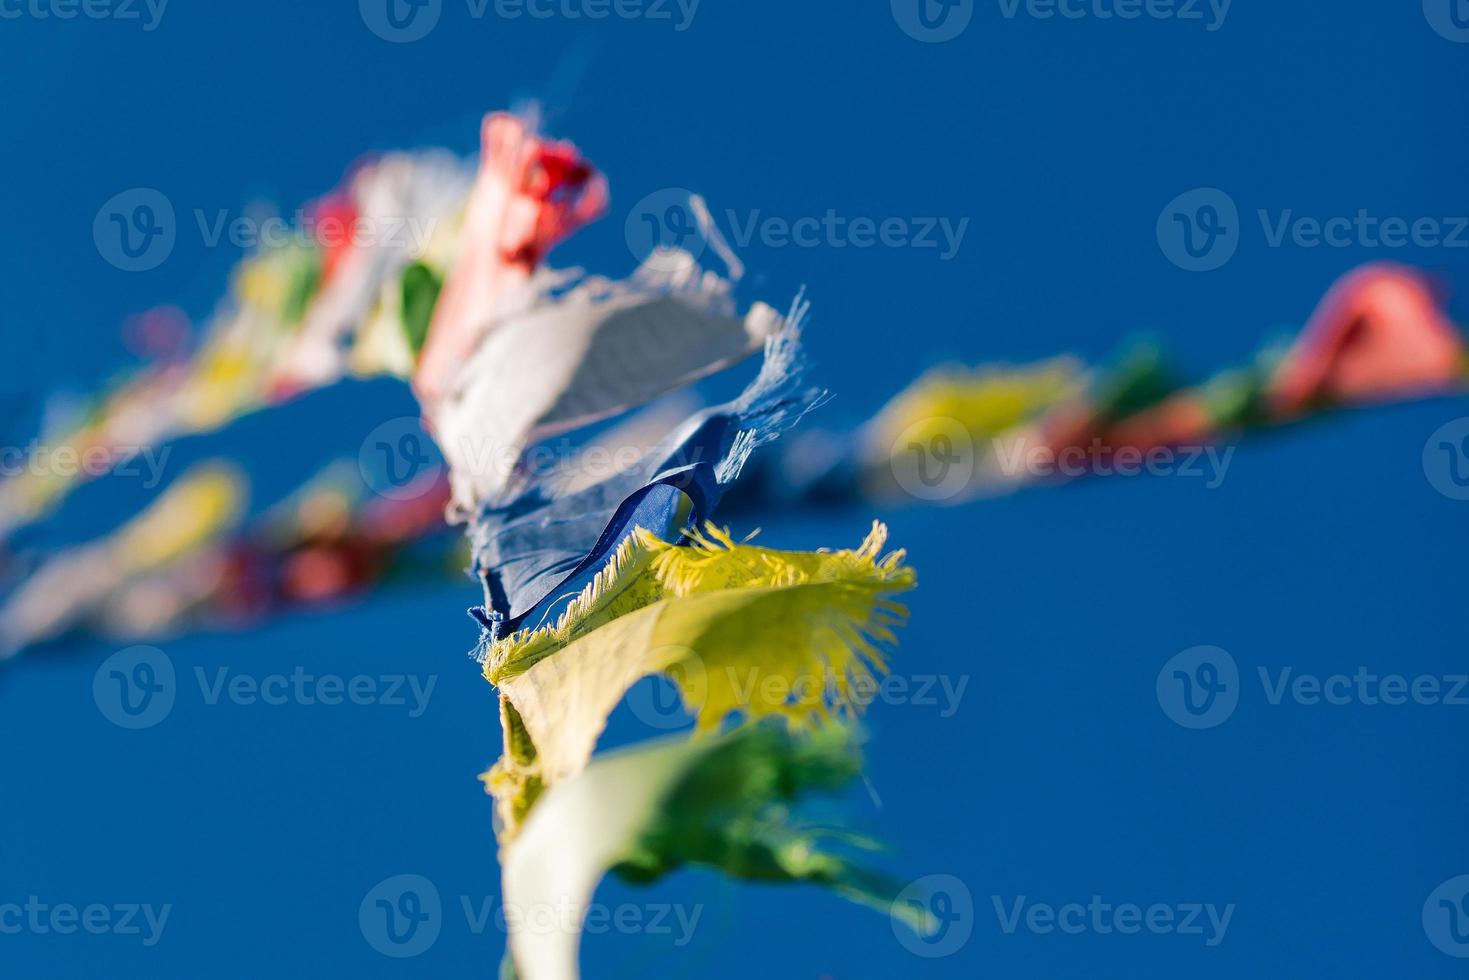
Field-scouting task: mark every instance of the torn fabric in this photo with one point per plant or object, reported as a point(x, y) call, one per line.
point(541, 543)
point(729, 803)
point(743, 630)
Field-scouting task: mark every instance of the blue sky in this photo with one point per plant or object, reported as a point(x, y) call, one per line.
point(1058, 145)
